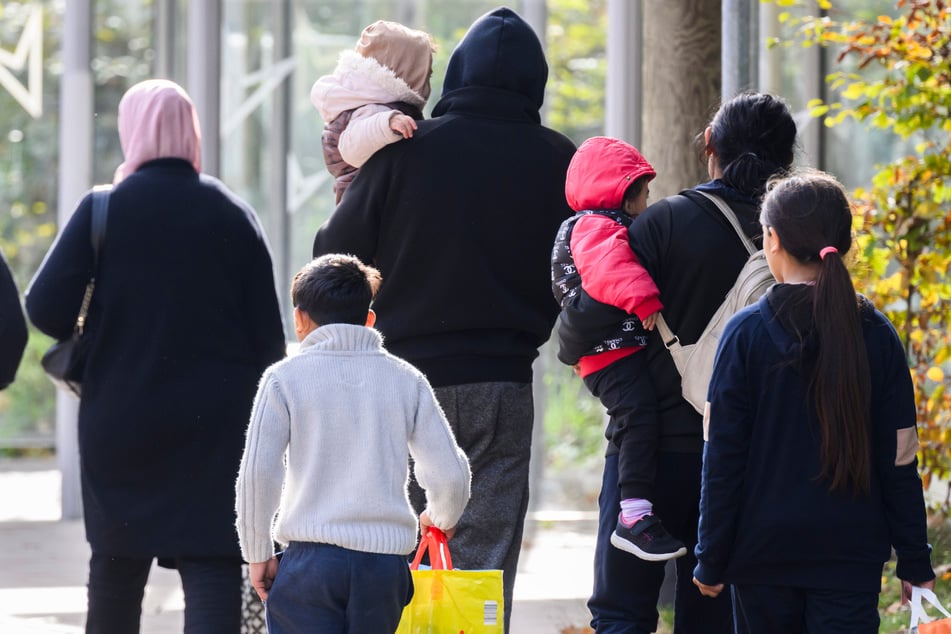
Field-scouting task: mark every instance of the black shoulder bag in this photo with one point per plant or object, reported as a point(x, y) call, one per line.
point(65, 361)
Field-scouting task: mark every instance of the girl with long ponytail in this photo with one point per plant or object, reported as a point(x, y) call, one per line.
point(810, 472)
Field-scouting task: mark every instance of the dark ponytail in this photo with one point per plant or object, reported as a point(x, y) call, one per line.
point(811, 213)
point(753, 137)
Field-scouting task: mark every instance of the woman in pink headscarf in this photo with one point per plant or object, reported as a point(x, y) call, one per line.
point(183, 321)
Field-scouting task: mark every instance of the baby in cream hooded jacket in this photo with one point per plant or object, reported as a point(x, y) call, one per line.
point(373, 97)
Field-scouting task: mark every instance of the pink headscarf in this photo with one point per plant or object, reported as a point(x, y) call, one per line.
point(157, 120)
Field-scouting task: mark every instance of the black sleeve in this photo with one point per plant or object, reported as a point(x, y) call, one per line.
point(13, 332)
point(55, 293)
point(893, 414)
point(582, 324)
point(353, 227)
point(649, 236)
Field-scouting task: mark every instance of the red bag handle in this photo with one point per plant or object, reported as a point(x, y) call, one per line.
point(436, 543)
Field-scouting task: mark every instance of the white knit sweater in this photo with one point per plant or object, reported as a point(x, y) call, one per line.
point(347, 414)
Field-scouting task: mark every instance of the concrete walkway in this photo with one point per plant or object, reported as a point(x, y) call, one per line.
point(43, 565)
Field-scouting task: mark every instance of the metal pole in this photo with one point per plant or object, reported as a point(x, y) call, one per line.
point(535, 12)
point(204, 76)
point(75, 178)
point(739, 51)
point(164, 12)
point(770, 61)
point(812, 132)
point(279, 141)
point(625, 52)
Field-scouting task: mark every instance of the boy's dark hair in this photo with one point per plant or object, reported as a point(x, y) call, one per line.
point(335, 289)
point(634, 189)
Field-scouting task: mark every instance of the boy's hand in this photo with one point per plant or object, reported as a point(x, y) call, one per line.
point(402, 124)
point(708, 591)
point(261, 575)
point(650, 321)
point(425, 523)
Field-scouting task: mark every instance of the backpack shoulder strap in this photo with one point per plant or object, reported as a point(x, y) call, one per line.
point(731, 218)
point(666, 334)
point(671, 341)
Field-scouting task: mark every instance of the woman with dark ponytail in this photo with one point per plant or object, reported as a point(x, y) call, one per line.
point(810, 471)
point(693, 255)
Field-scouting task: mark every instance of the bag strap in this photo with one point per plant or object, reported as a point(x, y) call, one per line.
point(435, 542)
point(918, 610)
point(731, 218)
point(671, 341)
point(97, 235)
point(97, 231)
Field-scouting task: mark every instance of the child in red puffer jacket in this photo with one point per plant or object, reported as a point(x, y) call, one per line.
point(607, 185)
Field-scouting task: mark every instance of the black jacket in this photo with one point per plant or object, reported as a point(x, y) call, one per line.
point(184, 320)
point(13, 332)
point(693, 255)
point(460, 218)
point(566, 285)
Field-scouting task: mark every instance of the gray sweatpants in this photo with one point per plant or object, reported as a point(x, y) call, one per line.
point(493, 425)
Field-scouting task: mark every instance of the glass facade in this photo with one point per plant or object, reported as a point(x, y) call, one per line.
point(269, 53)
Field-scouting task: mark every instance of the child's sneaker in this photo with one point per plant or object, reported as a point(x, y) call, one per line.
point(648, 539)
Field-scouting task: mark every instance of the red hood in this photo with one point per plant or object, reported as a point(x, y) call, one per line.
point(601, 171)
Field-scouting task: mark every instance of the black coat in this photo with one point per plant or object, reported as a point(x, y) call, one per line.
point(184, 320)
point(693, 255)
point(13, 333)
point(460, 218)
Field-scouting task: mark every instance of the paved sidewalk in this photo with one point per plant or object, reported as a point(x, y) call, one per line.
point(43, 563)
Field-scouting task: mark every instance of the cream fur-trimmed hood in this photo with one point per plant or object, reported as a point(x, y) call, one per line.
point(358, 81)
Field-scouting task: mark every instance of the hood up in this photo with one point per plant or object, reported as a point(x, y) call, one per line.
point(500, 50)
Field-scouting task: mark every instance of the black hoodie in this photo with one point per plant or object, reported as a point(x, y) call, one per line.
point(460, 218)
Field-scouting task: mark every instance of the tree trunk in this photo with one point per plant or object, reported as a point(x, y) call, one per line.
point(681, 88)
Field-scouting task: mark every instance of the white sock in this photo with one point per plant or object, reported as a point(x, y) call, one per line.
point(633, 509)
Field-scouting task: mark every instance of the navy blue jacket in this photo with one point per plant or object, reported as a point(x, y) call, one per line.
point(184, 319)
point(13, 332)
point(460, 218)
point(765, 517)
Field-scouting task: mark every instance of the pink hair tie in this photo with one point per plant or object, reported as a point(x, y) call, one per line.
point(824, 251)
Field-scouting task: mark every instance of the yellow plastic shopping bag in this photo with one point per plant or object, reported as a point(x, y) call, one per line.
point(447, 601)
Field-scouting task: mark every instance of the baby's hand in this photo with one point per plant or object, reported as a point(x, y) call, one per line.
point(402, 124)
point(650, 321)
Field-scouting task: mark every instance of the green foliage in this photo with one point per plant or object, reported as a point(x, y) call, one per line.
point(27, 407)
point(577, 60)
point(574, 420)
point(902, 83)
point(576, 50)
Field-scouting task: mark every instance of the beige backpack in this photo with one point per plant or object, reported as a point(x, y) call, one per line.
point(695, 361)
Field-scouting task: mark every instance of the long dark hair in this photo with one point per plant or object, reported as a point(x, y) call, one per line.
point(754, 138)
point(811, 213)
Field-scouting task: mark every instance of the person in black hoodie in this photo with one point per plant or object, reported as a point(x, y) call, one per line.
point(13, 333)
point(460, 220)
point(810, 471)
point(693, 255)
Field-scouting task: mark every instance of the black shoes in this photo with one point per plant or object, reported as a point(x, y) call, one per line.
point(648, 539)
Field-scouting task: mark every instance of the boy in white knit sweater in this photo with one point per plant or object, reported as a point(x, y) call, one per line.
point(346, 414)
